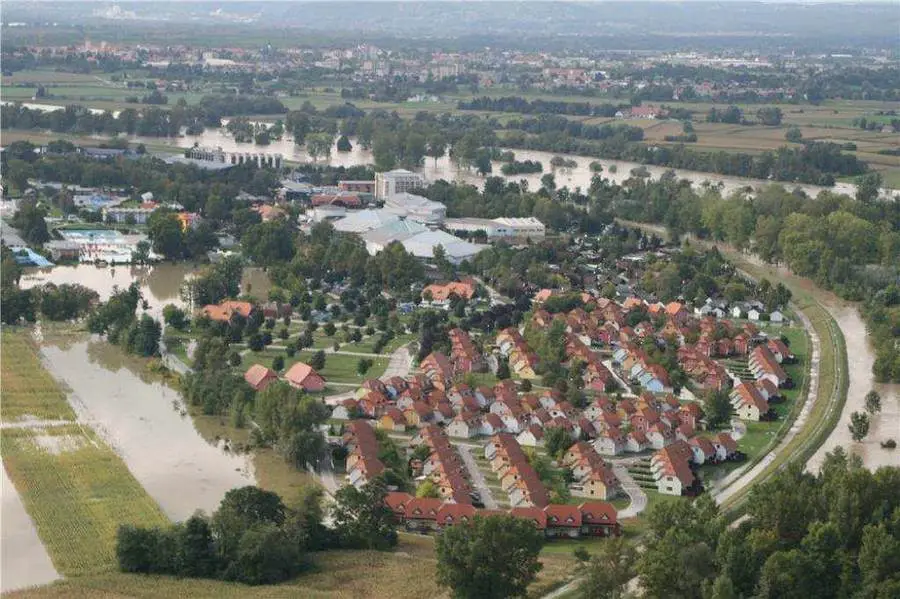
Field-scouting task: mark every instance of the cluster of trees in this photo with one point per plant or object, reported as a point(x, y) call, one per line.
point(836, 534)
point(817, 163)
point(517, 104)
point(254, 538)
point(557, 208)
point(172, 240)
point(117, 319)
point(562, 125)
point(325, 254)
point(29, 220)
point(210, 193)
point(218, 282)
point(148, 121)
point(518, 167)
point(53, 302)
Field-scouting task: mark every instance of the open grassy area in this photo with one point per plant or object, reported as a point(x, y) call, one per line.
point(339, 368)
point(28, 389)
point(407, 573)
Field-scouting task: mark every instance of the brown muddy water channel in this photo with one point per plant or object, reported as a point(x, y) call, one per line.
point(160, 284)
point(146, 424)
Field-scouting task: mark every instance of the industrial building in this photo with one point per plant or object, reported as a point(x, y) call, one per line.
point(396, 181)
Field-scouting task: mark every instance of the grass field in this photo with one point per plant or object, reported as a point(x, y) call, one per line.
point(28, 389)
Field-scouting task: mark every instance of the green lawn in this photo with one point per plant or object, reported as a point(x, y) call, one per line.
point(338, 368)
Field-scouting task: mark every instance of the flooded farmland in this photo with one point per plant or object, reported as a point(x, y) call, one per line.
point(145, 423)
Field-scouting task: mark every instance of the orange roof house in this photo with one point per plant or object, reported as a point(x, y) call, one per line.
point(259, 376)
point(225, 310)
point(303, 376)
point(440, 293)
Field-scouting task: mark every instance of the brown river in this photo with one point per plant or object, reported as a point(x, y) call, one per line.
point(444, 168)
point(160, 284)
point(145, 423)
point(860, 357)
point(141, 418)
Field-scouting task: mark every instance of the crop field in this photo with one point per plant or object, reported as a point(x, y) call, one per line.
point(28, 389)
point(78, 492)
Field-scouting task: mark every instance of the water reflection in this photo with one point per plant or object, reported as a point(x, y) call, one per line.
point(160, 284)
point(444, 168)
point(145, 423)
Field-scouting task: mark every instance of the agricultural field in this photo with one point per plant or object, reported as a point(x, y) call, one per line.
point(28, 389)
point(75, 488)
point(78, 492)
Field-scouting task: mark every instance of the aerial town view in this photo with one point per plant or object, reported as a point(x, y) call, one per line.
point(450, 299)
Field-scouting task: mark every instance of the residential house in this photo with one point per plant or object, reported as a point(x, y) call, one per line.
point(562, 521)
point(466, 425)
point(599, 519)
point(259, 376)
point(303, 376)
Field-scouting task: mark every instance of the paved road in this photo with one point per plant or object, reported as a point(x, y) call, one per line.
point(638, 497)
point(25, 561)
point(477, 477)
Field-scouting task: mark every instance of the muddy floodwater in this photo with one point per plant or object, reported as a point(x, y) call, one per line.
point(884, 425)
point(146, 425)
point(443, 168)
point(160, 284)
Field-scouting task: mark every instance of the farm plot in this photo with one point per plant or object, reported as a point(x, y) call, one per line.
point(28, 389)
point(78, 492)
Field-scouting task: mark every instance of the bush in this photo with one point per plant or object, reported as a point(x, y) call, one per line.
point(278, 363)
point(235, 359)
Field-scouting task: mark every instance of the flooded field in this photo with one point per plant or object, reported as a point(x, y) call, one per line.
point(160, 284)
point(444, 168)
point(146, 425)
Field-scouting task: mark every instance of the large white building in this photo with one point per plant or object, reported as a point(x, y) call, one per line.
point(498, 228)
point(416, 208)
point(524, 227)
point(396, 181)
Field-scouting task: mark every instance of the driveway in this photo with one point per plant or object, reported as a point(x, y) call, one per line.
point(465, 451)
point(638, 497)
